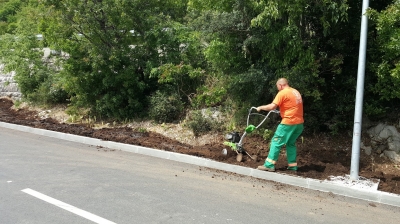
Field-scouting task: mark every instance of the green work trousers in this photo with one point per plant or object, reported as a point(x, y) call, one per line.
point(284, 135)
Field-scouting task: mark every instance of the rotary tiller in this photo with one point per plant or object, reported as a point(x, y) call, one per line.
point(236, 142)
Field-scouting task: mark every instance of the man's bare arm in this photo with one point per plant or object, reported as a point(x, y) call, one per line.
point(267, 107)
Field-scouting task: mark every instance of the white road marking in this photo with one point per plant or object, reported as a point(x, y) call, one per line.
point(68, 207)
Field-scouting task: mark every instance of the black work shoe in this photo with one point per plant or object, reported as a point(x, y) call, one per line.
point(263, 168)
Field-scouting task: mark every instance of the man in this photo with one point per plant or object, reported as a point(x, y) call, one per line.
point(290, 106)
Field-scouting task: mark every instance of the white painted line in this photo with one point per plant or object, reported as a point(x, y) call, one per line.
point(68, 207)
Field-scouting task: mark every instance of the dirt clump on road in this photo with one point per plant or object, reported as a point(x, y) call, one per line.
point(319, 156)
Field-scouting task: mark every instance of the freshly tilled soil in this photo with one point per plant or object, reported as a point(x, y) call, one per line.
point(319, 156)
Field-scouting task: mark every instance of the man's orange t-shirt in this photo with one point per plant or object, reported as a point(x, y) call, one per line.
point(290, 106)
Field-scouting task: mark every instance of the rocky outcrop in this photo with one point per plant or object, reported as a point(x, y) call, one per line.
point(385, 140)
point(8, 87)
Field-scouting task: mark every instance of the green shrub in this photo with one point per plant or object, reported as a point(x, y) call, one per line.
point(165, 107)
point(201, 123)
point(47, 93)
point(212, 93)
point(17, 103)
point(267, 135)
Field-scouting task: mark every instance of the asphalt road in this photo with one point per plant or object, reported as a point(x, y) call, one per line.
point(47, 180)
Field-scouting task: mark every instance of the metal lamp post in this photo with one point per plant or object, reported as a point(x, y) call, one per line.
point(355, 155)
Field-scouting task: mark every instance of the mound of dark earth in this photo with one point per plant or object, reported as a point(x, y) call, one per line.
point(319, 157)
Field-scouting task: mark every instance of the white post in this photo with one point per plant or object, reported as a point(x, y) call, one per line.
point(355, 155)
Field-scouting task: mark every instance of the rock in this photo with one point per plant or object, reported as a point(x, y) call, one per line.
point(8, 87)
point(212, 113)
point(375, 131)
point(380, 149)
point(392, 155)
point(394, 146)
point(367, 149)
point(383, 131)
point(46, 52)
point(385, 137)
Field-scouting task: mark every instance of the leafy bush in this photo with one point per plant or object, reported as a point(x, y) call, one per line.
point(47, 93)
point(253, 87)
point(267, 135)
point(165, 107)
point(388, 68)
point(212, 93)
point(201, 123)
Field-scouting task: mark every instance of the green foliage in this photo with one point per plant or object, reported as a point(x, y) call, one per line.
point(22, 53)
point(142, 130)
point(9, 15)
point(267, 135)
point(165, 107)
point(311, 43)
point(223, 34)
point(388, 68)
point(3, 27)
point(209, 97)
point(225, 53)
point(17, 103)
point(46, 93)
point(183, 78)
point(201, 124)
point(210, 4)
point(253, 87)
point(117, 51)
point(297, 40)
point(105, 69)
point(375, 111)
point(221, 57)
point(212, 93)
point(181, 61)
point(75, 111)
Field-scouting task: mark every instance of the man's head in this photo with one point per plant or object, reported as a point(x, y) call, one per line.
point(282, 83)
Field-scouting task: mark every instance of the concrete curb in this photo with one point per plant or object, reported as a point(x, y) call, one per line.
point(364, 194)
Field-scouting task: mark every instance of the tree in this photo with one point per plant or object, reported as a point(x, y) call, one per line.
point(8, 10)
point(227, 53)
point(113, 45)
point(254, 42)
point(388, 67)
point(313, 44)
point(23, 53)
